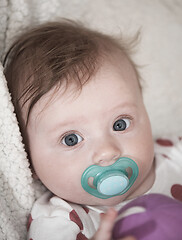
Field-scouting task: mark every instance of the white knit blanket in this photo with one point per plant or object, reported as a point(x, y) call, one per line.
point(16, 192)
point(160, 50)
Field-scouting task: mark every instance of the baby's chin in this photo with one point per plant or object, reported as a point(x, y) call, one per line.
point(94, 201)
point(113, 201)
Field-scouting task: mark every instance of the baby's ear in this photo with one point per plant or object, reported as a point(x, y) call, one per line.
point(34, 175)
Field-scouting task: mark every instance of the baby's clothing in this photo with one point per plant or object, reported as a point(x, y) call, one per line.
point(168, 167)
point(53, 218)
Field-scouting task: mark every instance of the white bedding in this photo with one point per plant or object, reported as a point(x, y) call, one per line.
point(160, 51)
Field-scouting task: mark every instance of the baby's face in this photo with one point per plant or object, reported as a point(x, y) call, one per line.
point(71, 132)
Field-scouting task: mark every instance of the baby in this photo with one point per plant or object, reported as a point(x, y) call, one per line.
point(78, 100)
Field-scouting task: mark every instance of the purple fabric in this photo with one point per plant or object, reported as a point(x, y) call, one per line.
point(161, 220)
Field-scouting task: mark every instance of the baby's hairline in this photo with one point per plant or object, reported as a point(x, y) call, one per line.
point(101, 45)
point(66, 84)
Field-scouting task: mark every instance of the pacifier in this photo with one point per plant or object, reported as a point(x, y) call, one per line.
point(110, 181)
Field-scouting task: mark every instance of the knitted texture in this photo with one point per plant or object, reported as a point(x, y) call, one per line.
point(16, 191)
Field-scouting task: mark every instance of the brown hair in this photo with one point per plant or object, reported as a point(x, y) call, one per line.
point(45, 56)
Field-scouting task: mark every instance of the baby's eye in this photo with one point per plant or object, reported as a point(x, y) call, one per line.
point(71, 139)
point(121, 124)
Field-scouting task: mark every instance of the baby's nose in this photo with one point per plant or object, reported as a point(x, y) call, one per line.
point(106, 153)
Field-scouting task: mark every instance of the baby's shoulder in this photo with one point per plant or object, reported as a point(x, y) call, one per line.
point(49, 205)
point(51, 214)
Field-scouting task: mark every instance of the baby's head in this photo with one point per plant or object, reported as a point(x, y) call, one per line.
point(79, 103)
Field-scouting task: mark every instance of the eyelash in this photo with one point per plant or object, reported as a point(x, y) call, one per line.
point(125, 116)
point(130, 118)
point(67, 134)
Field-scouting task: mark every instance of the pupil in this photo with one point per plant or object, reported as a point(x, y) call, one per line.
point(71, 140)
point(119, 125)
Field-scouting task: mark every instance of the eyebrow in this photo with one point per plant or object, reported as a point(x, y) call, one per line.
point(125, 105)
point(82, 119)
point(65, 124)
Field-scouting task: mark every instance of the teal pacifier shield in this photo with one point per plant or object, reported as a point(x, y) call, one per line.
point(109, 181)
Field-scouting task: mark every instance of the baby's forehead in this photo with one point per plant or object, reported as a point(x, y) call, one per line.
point(113, 66)
point(104, 78)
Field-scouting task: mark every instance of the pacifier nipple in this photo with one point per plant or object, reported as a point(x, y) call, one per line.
point(113, 184)
point(110, 181)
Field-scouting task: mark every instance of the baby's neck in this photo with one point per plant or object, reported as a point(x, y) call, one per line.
point(145, 185)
